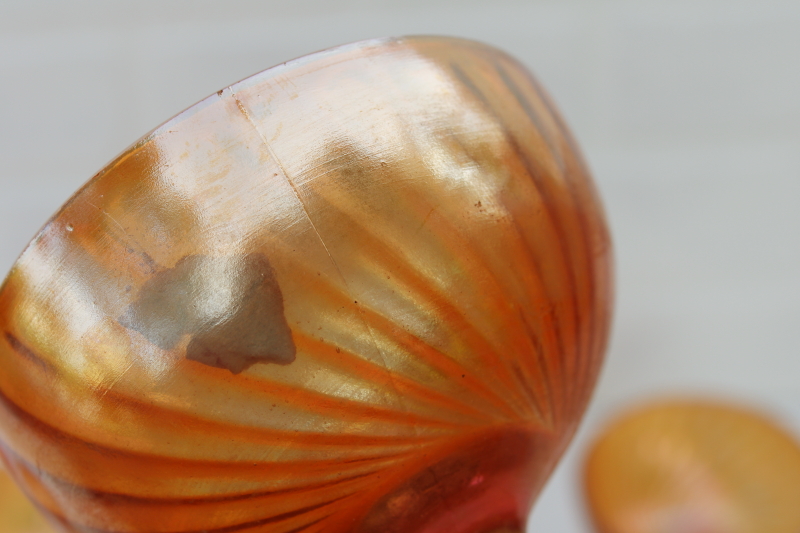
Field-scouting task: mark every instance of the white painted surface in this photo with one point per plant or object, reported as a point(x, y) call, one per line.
point(688, 112)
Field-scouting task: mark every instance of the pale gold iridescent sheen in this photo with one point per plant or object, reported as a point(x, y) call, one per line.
point(690, 466)
point(364, 291)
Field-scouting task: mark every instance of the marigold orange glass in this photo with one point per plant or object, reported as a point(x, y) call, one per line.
point(17, 515)
point(694, 467)
point(363, 291)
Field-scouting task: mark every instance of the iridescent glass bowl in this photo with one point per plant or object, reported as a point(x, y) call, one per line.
point(362, 291)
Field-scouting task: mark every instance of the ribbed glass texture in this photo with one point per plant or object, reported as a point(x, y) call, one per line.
point(363, 291)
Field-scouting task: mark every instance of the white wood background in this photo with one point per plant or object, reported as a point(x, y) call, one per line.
point(688, 112)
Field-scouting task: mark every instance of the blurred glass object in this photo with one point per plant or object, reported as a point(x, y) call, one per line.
point(694, 467)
